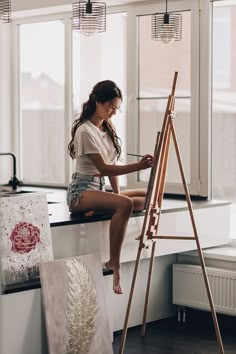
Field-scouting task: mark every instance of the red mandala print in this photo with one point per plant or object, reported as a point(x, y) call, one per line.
point(24, 237)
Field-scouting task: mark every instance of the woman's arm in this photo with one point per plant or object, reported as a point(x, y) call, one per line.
point(116, 170)
point(114, 184)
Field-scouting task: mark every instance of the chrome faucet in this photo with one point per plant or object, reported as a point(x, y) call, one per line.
point(14, 182)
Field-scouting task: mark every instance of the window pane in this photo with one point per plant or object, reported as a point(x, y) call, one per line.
point(224, 107)
point(42, 101)
point(103, 58)
point(159, 61)
point(224, 103)
point(152, 113)
point(157, 64)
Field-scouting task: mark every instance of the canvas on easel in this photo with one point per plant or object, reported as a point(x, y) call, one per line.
point(149, 234)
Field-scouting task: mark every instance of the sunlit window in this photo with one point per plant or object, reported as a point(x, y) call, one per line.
point(224, 107)
point(102, 57)
point(224, 102)
point(41, 97)
point(44, 103)
point(157, 64)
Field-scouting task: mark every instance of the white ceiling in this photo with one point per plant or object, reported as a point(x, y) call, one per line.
point(21, 5)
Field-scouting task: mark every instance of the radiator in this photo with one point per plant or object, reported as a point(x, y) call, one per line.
point(189, 288)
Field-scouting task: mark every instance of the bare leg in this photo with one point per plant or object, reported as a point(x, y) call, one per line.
point(122, 207)
point(138, 196)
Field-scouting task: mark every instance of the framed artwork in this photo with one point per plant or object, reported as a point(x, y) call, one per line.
point(25, 237)
point(74, 306)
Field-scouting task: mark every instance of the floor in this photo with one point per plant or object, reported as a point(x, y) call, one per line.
point(195, 336)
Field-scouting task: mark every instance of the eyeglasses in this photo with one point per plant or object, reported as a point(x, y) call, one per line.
point(115, 108)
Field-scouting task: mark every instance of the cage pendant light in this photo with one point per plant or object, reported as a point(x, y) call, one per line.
point(167, 27)
point(5, 11)
point(89, 17)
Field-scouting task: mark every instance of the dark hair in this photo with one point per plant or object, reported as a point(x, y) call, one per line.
point(102, 92)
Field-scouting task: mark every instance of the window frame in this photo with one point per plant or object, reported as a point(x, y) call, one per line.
point(200, 91)
point(199, 184)
point(17, 119)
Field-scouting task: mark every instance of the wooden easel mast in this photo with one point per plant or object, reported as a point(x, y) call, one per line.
point(154, 200)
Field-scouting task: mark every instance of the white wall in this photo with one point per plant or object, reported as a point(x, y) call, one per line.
point(22, 5)
point(29, 4)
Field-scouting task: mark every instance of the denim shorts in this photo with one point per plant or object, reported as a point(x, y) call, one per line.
point(82, 183)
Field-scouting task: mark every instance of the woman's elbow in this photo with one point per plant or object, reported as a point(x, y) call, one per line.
point(104, 171)
point(107, 171)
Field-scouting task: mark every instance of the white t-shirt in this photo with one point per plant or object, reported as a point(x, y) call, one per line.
point(89, 139)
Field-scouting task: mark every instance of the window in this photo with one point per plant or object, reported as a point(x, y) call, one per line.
point(157, 64)
point(143, 69)
point(41, 101)
point(152, 68)
point(222, 33)
point(45, 108)
point(98, 58)
point(224, 106)
point(224, 102)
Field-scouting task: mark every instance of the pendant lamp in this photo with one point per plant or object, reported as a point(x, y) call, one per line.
point(5, 11)
point(167, 27)
point(89, 17)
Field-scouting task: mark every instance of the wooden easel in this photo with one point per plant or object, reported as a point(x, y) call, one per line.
point(149, 232)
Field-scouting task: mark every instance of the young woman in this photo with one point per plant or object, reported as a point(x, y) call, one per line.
point(95, 146)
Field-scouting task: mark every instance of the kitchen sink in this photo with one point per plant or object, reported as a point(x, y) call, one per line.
point(12, 193)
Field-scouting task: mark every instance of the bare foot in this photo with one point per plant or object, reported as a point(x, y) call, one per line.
point(116, 277)
point(116, 282)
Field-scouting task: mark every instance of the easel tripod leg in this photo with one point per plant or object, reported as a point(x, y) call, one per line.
point(124, 333)
point(148, 289)
point(212, 306)
point(204, 272)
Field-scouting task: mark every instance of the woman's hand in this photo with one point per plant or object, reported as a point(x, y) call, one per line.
point(145, 162)
point(117, 170)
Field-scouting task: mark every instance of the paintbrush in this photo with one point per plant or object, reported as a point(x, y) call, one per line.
point(134, 155)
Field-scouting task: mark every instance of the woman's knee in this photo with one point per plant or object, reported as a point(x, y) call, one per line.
point(126, 204)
